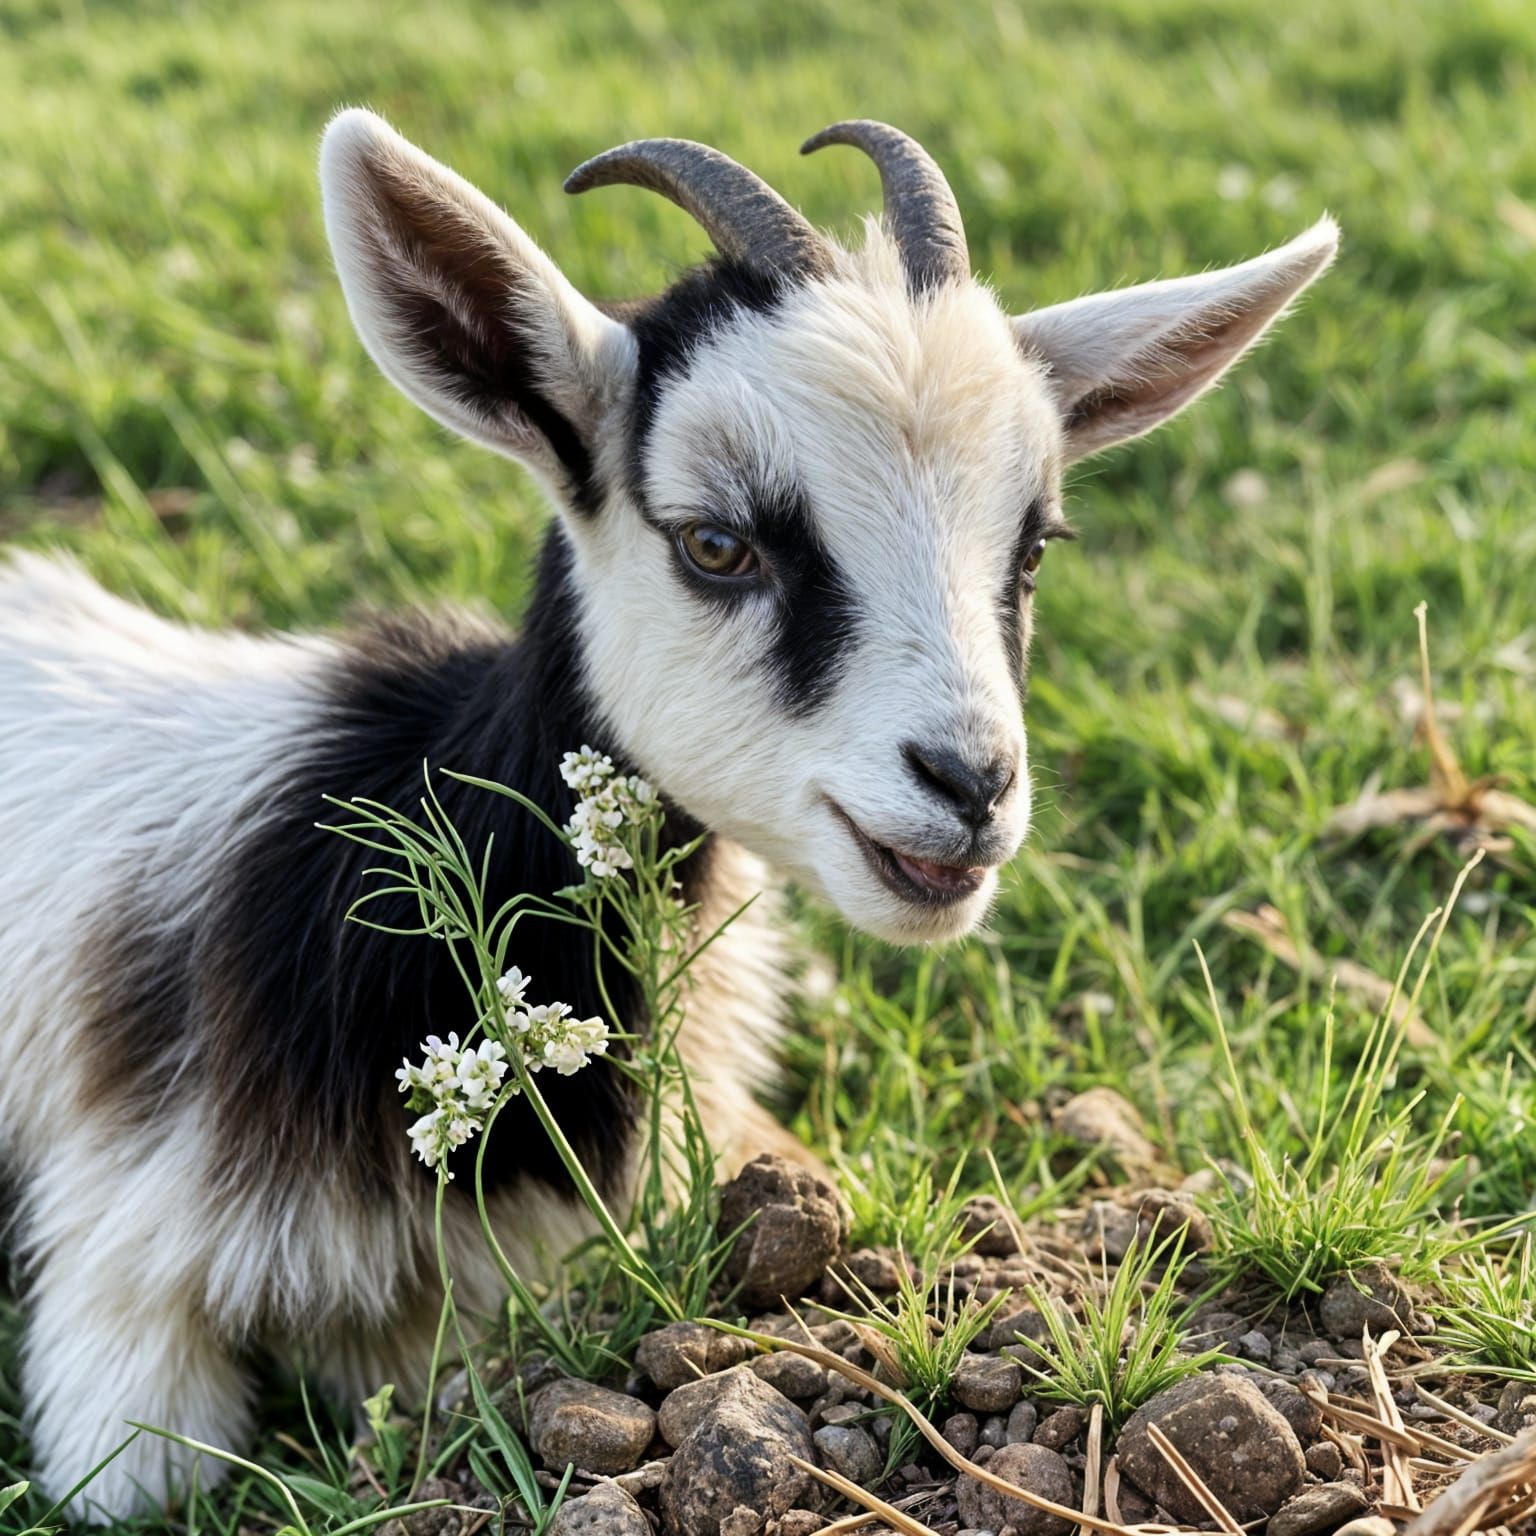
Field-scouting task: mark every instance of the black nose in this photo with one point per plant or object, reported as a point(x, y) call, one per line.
point(973, 791)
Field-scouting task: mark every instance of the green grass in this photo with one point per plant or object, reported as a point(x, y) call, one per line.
point(182, 403)
point(1122, 1345)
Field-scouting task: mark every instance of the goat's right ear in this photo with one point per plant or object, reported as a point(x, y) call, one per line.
point(461, 310)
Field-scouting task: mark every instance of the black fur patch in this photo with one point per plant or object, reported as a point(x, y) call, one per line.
point(669, 328)
point(818, 619)
point(297, 1020)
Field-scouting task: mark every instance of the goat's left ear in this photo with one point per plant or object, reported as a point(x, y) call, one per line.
point(1122, 362)
point(461, 310)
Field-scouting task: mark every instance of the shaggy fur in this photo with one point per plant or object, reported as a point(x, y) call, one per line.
point(197, 1106)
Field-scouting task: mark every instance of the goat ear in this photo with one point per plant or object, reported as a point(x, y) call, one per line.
point(1123, 362)
point(461, 310)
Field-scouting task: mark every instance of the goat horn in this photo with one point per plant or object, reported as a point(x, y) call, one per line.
point(747, 220)
point(920, 209)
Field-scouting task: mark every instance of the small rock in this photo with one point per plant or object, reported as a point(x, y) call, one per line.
point(797, 1227)
point(864, 1272)
point(994, 1432)
point(1026, 1324)
point(1317, 1511)
point(684, 1406)
point(683, 1352)
point(1516, 1408)
point(1058, 1430)
point(1369, 1298)
point(800, 1522)
point(851, 1451)
point(1032, 1468)
point(1242, 1447)
point(985, 1453)
point(984, 1218)
point(1313, 1350)
point(573, 1423)
point(1256, 1346)
point(963, 1432)
point(1324, 1460)
point(1161, 1213)
point(1102, 1119)
point(434, 1522)
point(1296, 1408)
point(1021, 1422)
point(737, 1458)
point(987, 1383)
point(1368, 1525)
point(793, 1375)
point(838, 1336)
point(606, 1511)
point(1107, 1231)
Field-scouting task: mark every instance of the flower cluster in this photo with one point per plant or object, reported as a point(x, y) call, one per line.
point(549, 1036)
point(608, 801)
point(460, 1084)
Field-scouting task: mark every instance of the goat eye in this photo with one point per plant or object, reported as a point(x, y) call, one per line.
point(1033, 558)
point(715, 552)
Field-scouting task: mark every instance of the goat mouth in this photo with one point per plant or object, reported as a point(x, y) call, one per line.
point(924, 882)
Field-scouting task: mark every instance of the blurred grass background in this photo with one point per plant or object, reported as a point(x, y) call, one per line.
point(1226, 657)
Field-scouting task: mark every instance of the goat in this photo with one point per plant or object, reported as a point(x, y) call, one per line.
point(802, 498)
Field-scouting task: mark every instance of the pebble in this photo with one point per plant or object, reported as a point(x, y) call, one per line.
point(987, 1383)
point(737, 1457)
point(1021, 1422)
point(1231, 1435)
point(1317, 1511)
point(1256, 1346)
point(1324, 1460)
point(792, 1374)
point(1059, 1429)
point(1103, 1120)
point(984, 1219)
point(851, 1451)
point(1031, 1467)
point(683, 1352)
point(963, 1432)
point(606, 1511)
point(792, 1226)
point(573, 1423)
point(1371, 1297)
point(994, 1431)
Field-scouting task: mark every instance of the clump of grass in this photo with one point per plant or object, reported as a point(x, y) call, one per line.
point(1370, 1186)
point(921, 1336)
point(1488, 1314)
point(1123, 1343)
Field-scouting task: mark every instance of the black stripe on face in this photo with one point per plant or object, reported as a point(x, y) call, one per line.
point(817, 617)
point(814, 612)
point(669, 329)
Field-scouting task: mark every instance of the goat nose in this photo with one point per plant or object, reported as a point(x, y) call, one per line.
point(973, 791)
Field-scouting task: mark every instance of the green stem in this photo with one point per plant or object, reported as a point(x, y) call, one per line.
point(594, 1201)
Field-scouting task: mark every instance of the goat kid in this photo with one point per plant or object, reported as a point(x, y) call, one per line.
point(802, 499)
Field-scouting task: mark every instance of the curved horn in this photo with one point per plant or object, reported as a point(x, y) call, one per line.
point(919, 206)
point(747, 220)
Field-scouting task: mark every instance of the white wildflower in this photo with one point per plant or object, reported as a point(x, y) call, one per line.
point(609, 801)
point(460, 1084)
point(574, 1045)
point(513, 987)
